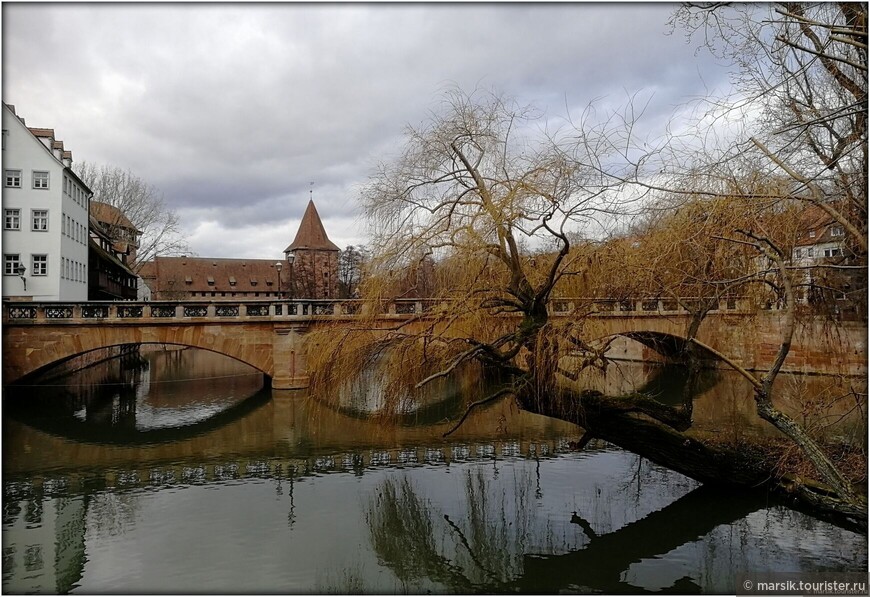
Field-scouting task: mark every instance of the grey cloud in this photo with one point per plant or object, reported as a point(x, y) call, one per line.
point(232, 110)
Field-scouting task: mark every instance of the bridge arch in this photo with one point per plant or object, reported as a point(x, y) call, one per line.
point(251, 345)
point(668, 345)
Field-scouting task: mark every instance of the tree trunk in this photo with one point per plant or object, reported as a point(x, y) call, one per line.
point(748, 465)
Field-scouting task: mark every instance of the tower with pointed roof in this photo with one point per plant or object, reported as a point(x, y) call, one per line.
point(314, 264)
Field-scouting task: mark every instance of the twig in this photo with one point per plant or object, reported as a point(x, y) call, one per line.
point(490, 398)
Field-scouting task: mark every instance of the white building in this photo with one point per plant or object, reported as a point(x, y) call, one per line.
point(45, 216)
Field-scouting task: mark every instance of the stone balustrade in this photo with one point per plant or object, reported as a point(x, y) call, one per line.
point(15, 312)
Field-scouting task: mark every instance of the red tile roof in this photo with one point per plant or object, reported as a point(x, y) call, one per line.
point(311, 234)
point(41, 132)
point(815, 228)
point(192, 274)
point(109, 214)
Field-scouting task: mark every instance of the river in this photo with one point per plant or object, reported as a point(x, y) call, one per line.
point(177, 471)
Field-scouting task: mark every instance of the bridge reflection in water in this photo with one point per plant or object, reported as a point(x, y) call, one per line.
point(215, 485)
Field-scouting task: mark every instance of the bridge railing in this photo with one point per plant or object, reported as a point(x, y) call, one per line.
point(191, 310)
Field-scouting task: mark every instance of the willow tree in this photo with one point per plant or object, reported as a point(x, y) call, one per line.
point(484, 189)
point(481, 186)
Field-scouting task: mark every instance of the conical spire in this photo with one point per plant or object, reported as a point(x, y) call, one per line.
point(311, 234)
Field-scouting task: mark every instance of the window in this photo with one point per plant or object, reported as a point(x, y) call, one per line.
point(232, 281)
point(39, 265)
point(40, 219)
point(11, 261)
point(812, 234)
point(12, 219)
point(797, 254)
point(832, 252)
point(837, 231)
point(40, 179)
point(811, 252)
point(210, 280)
point(13, 179)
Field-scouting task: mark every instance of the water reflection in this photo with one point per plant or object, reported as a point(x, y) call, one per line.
point(292, 496)
point(146, 399)
point(723, 404)
point(378, 391)
point(499, 540)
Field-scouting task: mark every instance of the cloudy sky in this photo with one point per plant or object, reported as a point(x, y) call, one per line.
point(233, 111)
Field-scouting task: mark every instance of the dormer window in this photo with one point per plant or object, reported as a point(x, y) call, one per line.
point(210, 280)
point(812, 234)
point(188, 280)
point(253, 281)
point(837, 231)
point(232, 281)
point(268, 282)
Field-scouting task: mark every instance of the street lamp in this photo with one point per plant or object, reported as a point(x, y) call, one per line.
point(278, 266)
point(19, 271)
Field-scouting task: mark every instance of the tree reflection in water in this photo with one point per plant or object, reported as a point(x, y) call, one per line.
point(494, 546)
point(478, 552)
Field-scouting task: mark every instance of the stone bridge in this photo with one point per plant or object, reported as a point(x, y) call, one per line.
point(270, 336)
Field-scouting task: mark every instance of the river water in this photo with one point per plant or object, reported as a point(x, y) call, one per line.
point(176, 471)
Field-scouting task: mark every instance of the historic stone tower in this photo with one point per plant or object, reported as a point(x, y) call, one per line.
point(312, 260)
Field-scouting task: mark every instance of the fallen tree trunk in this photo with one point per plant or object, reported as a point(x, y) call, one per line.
point(749, 465)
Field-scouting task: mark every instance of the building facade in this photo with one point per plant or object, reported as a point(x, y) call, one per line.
point(109, 276)
point(207, 279)
point(829, 280)
point(45, 216)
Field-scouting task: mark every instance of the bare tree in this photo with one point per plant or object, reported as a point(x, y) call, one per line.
point(350, 270)
point(142, 204)
point(801, 69)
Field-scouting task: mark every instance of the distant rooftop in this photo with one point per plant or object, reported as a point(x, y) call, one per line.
point(311, 234)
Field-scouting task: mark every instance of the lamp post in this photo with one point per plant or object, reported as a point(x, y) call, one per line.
point(278, 266)
point(19, 271)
